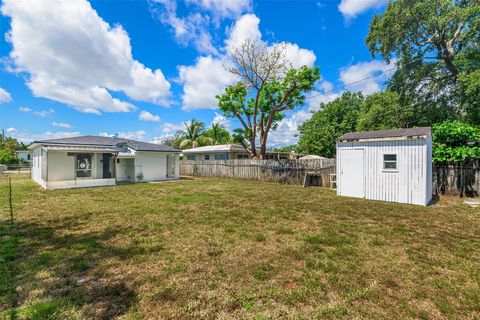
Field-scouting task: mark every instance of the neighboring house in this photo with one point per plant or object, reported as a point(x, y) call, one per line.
point(229, 152)
point(89, 161)
point(24, 155)
point(388, 165)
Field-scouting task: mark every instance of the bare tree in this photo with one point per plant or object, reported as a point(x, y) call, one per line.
point(269, 85)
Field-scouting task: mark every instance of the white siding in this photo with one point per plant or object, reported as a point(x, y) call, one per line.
point(410, 183)
point(153, 165)
point(60, 166)
point(38, 166)
point(125, 170)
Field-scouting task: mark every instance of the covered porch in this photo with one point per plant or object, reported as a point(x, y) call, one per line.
point(71, 167)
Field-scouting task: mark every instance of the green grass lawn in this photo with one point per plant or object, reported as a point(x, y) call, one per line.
point(229, 249)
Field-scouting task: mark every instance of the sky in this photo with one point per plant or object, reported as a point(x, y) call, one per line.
point(140, 69)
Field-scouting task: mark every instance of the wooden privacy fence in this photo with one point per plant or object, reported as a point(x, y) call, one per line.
point(284, 171)
point(457, 179)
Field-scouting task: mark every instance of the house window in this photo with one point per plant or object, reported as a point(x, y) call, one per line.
point(221, 156)
point(242, 156)
point(207, 157)
point(390, 161)
point(191, 157)
point(84, 165)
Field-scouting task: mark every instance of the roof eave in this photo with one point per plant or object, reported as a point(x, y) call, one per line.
point(414, 137)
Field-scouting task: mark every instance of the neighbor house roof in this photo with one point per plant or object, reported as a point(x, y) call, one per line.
point(105, 142)
point(214, 149)
point(385, 134)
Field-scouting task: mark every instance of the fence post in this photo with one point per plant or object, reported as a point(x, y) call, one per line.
point(10, 197)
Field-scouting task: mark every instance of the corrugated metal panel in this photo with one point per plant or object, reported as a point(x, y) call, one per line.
point(410, 183)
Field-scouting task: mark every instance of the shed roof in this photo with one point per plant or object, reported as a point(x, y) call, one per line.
point(106, 141)
point(385, 134)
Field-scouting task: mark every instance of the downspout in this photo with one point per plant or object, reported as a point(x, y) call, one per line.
point(46, 169)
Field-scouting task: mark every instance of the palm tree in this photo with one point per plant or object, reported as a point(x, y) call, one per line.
point(218, 134)
point(193, 135)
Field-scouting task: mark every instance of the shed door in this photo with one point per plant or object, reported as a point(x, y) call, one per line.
point(351, 173)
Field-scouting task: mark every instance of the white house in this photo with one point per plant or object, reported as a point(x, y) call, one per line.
point(229, 152)
point(89, 161)
point(388, 165)
point(24, 155)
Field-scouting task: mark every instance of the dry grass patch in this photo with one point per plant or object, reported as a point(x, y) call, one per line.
point(229, 249)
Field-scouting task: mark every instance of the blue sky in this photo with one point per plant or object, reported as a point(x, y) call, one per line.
point(142, 68)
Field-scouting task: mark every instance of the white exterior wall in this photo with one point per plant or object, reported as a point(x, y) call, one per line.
point(38, 166)
point(60, 166)
point(125, 170)
point(410, 183)
point(153, 165)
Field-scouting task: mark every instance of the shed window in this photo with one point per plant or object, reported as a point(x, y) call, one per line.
point(207, 157)
point(191, 157)
point(390, 161)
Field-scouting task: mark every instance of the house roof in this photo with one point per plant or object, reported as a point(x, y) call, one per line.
point(385, 134)
point(312, 157)
point(106, 141)
point(214, 149)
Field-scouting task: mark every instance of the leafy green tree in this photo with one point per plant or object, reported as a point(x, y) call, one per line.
point(192, 136)
point(218, 134)
point(455, 141)
point(436, 42)
point(6, 157)
point(268, 87)
point(318, 134)
point(383, 111)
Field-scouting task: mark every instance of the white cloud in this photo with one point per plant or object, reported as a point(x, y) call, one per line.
point(11, 130)
point(246, 27)
point(287, 130)
point(194, 28)
point(132, 135)
point(322, 94)
point(171, 128)
point(147, 116)
point(44, 113)
point(222, 120)
point(25, 109)
point(351, 8)
point(160, 139)
point(299, 57)
point(202, 81)
point(5, 97)
point(27, 137)
point(357, 72)
point(190, 29)
point(61, 125)
point(223, 8)
point(82, 57)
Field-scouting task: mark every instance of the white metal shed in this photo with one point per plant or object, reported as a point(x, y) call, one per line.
point(387, 165)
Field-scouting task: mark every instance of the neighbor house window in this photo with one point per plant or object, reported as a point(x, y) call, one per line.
point(84, 165)
point(390, 161)
point(242, 156)
point(221, 156)
point(207, 157)
point(191, 157)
